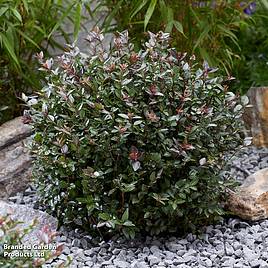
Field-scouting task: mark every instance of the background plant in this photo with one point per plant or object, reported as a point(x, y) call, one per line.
point(26, 27)
point(252, 67)
point(131, 142)
point(209, 29)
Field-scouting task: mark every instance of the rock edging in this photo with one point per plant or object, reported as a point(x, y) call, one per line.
point(15, 158)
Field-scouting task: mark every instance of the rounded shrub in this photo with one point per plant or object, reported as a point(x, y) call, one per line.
point(132, 141)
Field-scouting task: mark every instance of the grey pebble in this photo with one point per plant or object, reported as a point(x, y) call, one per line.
point(84, 243)
point(66, 250)
point(116, 251)
point(76, 242)
point(208, 263)
point(89, 252)
point(236, 245)
point(168, 262)
point(255, 263)
point(138, 264)
point(121, 264)
point(142, 256)
point(153, 260)
point(103, 251)
point(174, 247)
point(169, 255)
point(154, 249)
point(179, 260)
point(180, 252)
point(238, 253)
point(249, 254)
point(228, 262)
point(109, 262)
point(229, 250)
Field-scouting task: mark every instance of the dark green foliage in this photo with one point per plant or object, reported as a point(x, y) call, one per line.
point(252, 67)
point(206, 28)
point(229, 34)
point(26, 27)
point(130, 141)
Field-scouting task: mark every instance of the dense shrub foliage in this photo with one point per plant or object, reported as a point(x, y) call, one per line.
point(252, 68)
point(130, 141)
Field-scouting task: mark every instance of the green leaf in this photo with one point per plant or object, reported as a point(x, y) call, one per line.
point(202, 36)
point(38, 137)
point(178, 26)
point(156, 157)
point(3, 10)
point(77, 20)
point(193, 188)
point(139, 5)
point(138, 122)
point(111, 191)
point(126, 233)
point(3, 108)
point(147, 215)
point(27, 38)
point(170, 20)
point(128, 223)
point(264, 3)
point(108, 20)
point(125, 116)
point(131, 233)
point(225, 31)
point(16, 14)
point(128, 187)
point(149, 13)
point(61, 19)
point(163, 8)
point(152, 176)
point(125, 215)
point(104, 216)
point(10, 49)
point(182, 195)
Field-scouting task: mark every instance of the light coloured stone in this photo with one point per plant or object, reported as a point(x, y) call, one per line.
point(15, 169)
point(250, 201)
point(26, 215)
point(13, 131)
point(15, 159)
point(256, 116)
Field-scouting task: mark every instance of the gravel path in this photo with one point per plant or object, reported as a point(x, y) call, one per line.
point(231, 243)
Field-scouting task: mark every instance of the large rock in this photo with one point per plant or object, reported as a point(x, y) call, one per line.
point(15, 159)
point(26, 215)
point(250, 201)
point(13, 131)
point(256, 116)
